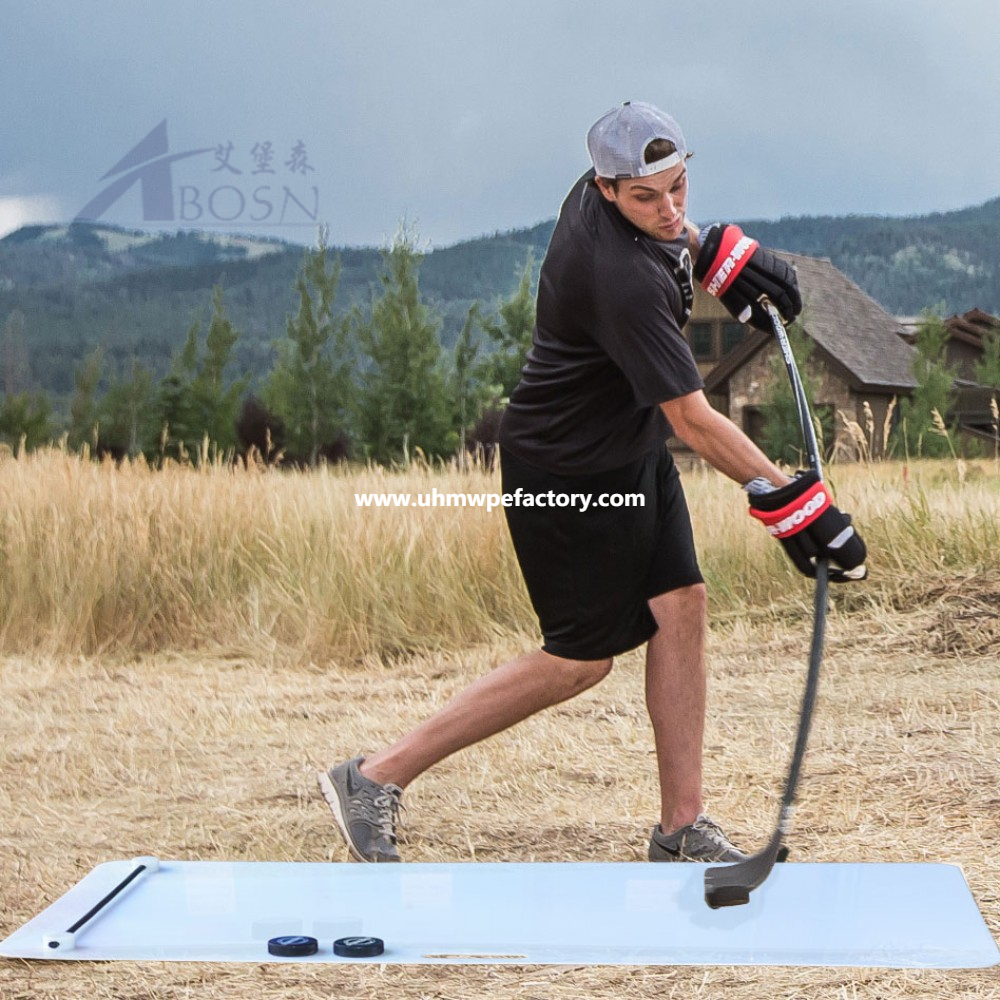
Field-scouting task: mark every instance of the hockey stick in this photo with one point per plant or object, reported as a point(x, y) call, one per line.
point(731, 885)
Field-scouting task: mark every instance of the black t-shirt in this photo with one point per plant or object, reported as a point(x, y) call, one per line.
point(607, 347)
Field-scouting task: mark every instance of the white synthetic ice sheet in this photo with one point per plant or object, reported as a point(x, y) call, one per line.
point(888, 915)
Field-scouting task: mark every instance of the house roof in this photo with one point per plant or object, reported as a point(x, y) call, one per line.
point(847, 324)
point(972, 326)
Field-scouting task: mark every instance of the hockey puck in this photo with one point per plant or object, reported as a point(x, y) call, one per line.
point(358, 947)
point(293, 946)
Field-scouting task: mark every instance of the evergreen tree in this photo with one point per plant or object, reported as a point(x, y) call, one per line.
point(127, 417)
point(15, 362)
point(194, 400)
point(177, 413)
point(782, 430)
point(464, 383)
point(216, 404)
point(935, 391)
point(310, 391)
point(404, 400)
point(26, 416)
point(512, 333)
point(987, 369)
point(83, 408)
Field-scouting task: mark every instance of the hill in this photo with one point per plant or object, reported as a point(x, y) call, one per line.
point(75, 287)
point(80, 286)
point(948, 259)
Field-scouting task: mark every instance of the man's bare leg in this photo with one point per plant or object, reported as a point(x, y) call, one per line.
point(495, 702)
point(675, 699)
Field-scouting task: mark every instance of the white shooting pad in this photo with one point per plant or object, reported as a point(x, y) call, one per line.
point(877, 915)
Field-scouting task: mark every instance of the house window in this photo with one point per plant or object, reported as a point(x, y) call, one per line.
point(711, 339)
point(702, 339)
point(732, 334)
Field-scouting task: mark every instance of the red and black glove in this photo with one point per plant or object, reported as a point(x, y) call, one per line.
point(737, 270)
point(803, 518)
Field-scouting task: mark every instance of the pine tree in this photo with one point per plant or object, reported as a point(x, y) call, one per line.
point(310, 391)
point(194, 401)
point(512, 334)
point(782, 431)
point(176, 409)
point(127, 416)
point(83, 408)
point(25, 417)
point(216, 404)
point(15, 361)
point(934, 392)
point(464, 383)
point(987, 369)
point(404, 401)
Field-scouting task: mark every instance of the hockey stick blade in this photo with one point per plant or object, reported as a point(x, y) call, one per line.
point(731, 885)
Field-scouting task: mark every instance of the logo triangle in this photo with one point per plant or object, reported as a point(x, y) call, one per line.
point(153, 144)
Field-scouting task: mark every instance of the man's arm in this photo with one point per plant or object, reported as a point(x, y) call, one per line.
point(800, 513)
point(719, 441)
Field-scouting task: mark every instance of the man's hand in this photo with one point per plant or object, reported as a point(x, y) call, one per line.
point(803, 518)
point(737, 270)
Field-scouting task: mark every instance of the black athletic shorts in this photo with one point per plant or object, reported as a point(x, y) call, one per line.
point(590, 573)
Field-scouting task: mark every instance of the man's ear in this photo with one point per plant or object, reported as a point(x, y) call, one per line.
point(606, 188)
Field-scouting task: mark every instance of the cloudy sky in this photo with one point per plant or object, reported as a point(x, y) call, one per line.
point(469, 117)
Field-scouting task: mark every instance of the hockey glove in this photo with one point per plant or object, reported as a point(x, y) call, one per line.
point(737, 270)
point(803, 518)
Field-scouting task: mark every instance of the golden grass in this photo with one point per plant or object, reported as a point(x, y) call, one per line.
point(100, 559)
point(181, 649)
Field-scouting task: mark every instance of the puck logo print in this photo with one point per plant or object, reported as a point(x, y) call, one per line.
point(293, 946)
point(358, 947)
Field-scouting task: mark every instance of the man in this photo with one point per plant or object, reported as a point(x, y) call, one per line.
point(609, 375)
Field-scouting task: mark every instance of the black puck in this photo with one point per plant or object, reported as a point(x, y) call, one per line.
point(293, 946)
point(358, 947)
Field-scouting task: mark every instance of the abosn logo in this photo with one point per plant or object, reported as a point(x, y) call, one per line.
point(249, 201)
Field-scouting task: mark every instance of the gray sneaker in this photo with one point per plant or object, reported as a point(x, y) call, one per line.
point(703, 840)
point(365, 811)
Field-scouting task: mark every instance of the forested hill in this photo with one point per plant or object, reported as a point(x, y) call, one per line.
point(72, 288)
point(949, 260)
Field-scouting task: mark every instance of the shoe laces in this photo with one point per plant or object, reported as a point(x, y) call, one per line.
point(379, 806)
point(713, 832)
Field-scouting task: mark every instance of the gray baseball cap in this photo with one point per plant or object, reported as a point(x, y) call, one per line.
point(618, 140)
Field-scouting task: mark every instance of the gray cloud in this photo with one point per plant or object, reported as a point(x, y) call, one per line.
point(467, 117)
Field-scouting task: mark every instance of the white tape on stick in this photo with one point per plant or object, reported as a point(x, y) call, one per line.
point(876, 915)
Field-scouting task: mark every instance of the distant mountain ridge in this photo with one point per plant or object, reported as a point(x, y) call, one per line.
point(136, 294)
point(947, 259)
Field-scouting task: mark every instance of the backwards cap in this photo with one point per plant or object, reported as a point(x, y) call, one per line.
point(618, 140)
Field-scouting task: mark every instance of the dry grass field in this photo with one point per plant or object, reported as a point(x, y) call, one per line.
point(180, 649)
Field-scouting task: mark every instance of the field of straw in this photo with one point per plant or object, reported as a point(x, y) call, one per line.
point(181, 648)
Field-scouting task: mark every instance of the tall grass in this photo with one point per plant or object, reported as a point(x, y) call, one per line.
point(127, 559)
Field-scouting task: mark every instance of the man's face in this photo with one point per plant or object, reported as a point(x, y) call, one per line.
point(657, 204)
